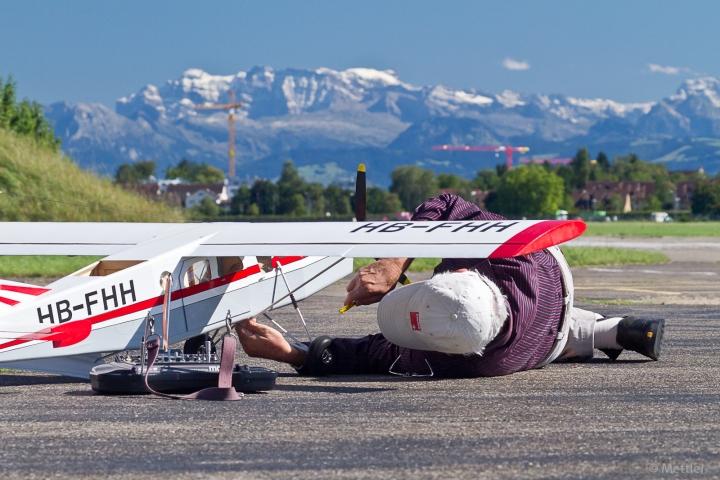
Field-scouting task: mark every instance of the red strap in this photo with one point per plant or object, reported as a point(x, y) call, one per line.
point(223, 392)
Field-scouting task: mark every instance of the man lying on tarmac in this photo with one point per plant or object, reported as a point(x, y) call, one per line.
point(473, 318)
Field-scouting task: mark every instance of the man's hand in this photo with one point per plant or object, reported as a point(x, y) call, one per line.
point(261, 341)
point(373, 282)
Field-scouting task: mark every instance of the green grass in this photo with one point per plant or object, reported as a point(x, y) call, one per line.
point(654, 229)
point(35, 171)
point(418, 265)
point(59, 266)
point(576, 257)
point(596, 256)
point(42, 266)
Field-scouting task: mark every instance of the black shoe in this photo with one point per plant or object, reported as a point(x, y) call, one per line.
point(641, 336)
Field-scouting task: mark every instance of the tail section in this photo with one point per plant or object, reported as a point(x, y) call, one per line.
point(15, 293)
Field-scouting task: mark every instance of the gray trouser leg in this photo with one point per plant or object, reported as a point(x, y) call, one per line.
point(580, 342)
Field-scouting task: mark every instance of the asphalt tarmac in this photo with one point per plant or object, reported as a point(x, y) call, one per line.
point(626, 419)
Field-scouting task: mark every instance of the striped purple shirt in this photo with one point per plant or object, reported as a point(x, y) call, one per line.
point(532, 284)
point(533, 288)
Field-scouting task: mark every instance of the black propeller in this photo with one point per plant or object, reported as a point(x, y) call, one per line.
point(361, 205)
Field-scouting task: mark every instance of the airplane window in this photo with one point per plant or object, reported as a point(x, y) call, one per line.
point(228, 265)
point(265, 263)
point(199, 272)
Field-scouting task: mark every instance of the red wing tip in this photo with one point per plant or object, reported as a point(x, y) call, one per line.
point(539, 236)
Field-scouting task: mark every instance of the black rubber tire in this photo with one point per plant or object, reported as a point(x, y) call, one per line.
point(194, 344)
point(321, 357)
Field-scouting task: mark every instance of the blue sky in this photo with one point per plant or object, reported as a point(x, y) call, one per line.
point(629, 51)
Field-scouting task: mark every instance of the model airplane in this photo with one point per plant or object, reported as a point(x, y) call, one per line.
point(68, 325)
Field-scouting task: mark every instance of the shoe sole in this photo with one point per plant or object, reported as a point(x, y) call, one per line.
point(658, 330)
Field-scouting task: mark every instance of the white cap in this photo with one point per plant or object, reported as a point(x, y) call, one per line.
point(451, 313)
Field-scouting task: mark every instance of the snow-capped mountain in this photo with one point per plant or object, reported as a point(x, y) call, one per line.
point(294, 110)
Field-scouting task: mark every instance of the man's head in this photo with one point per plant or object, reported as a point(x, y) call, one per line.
point(457, 312)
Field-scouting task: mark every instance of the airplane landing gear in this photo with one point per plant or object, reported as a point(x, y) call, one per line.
point(321, 357)
point(197, 345)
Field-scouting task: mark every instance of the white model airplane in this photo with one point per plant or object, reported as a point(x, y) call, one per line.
point(67, 326)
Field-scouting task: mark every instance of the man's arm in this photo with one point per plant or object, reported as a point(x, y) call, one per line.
point(371, 283)
point(261, 341)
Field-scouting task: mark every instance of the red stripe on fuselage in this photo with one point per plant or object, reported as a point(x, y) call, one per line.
point(284, 260)
point(218, 282)
point(154, 302)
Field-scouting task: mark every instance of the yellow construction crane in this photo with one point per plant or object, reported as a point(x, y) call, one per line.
point(231, 134)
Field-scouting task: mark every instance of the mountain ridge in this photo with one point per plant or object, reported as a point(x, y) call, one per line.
point(329, 111)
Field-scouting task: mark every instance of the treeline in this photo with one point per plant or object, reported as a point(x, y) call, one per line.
point(539, 189)
point(536, 190)
point(293, 196)
point(25, 118)
point(706, 199)
point(185, 170)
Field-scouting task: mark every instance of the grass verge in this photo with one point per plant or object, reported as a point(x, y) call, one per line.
point(43, 266)
point(59, 266)
point(596, 256)
point(576, 257)
point(654, 229)
point(418, 265)
point(39, 174)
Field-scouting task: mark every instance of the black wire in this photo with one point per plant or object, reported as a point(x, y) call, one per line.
point(89, 206)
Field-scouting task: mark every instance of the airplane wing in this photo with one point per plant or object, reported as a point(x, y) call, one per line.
point(71, 238)
point(457, 239)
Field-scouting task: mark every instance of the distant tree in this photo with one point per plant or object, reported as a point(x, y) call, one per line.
point(486, 179)
point(664, 192)
point(145, 169)
point(615, 202)
point(25, 118)
point(581, 167)
point(134, 172)
point(653, 203)
point(8, 102)
point(195, 173)
point(337, 200)
point(315, 199)
point(291, 188)
point(253, 210)
point(602, 162)
point(125, 174)
point(264, 195)
point(706, 199)
point(241, 201)
point(501, 169)
point(207, 208)
point(632, 168)
point(382, 201)
point(528, 190)
point(209, 174)
point(413, 185)
point(450, 180)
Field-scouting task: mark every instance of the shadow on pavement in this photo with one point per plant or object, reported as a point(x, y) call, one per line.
point(327, 389)
point(25, 380)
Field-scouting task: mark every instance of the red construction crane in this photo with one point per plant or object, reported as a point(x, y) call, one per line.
point(486, 148)
point(231, 135)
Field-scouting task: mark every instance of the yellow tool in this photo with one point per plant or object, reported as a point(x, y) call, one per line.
point(347, 307)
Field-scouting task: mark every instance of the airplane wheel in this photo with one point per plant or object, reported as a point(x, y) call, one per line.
point(321, 356)
point(194, 344)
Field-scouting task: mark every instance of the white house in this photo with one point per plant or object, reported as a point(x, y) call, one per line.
point(192, 194)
